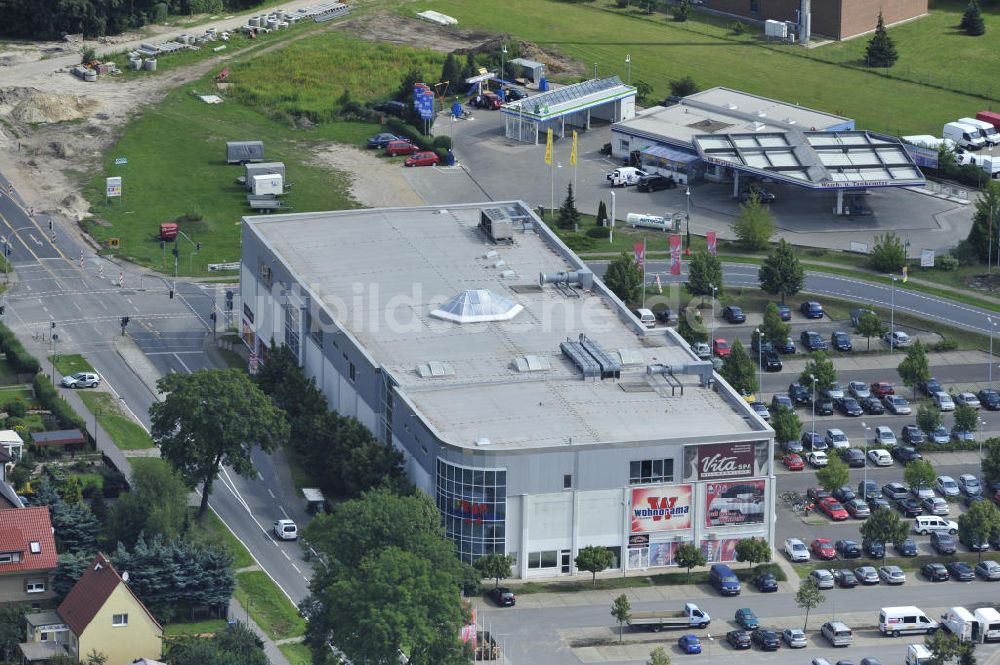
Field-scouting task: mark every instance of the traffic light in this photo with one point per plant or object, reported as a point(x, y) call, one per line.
point(124, 321)
point(176, 251)
point(212, 316)
point(3, 309)
point(171, 294)
point(50, 225)
point(229, 299)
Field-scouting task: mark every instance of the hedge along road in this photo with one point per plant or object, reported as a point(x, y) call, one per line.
point(862, 292)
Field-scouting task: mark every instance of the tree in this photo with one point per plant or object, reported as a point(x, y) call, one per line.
point(470, 69)
point(753, 550)
point(884, 526)
point(966, 418)
point(786, 424)
point(451, 72)
point(888, 253)
point(602, 214)
point(624, 279)
point(569, 216)
point(642, 91)
point(928, 418)
point(914, 368)
point(691, 332)
point(881, 51)
point(72, 491)
point(754, 225)
point(869, 325)
point(835, 474)
point(943, 645)
point(773, 329)
point(991, 462)
point(984, 221)
point(495, 566)
point(234, 645)
point(808, 598)
point(683, 87)
point(919, 473)
point(11, 630)
point(681, 11)
point(95, 657)
point(739, 370)
point(210, 418)
point(156, 507)
point(688, 556)
point(980, 522)
point(822, 368)
point(621, 610)
point(658, 656)
point(594, 559)
point(704, 272)
point(781, 274)
point(972, 20)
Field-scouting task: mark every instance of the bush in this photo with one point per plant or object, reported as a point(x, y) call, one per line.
point(19, 359)
point(415, 136)
point(599, 232)
point(17, 408)
point(56, 405)
point(737, 27)
point(442, 142)
point(946, 344)
point(160, 13)
point(947, 263)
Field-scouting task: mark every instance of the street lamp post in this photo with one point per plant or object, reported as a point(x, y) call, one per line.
point(812, 377)
point(628, 66)
point(714, 289)
point(892, 314)
point(993, 325)
point(687, 244)
point(760, 361)
point(981, 423)
point(503, 58)
point(867, 429)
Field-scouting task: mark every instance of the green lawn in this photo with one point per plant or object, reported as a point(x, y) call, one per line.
point(125, 432)
point(8, 395)
point(297, 653)
point(194, 627)
point(210, 529)
point(268, 606)
point(71, 364)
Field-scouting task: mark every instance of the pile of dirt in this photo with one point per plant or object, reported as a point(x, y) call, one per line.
point(30, 106)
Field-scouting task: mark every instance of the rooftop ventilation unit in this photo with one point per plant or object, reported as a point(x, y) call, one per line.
point(565, 281)
point(610, 368)
point(575, 352)
point(497, 225)
point(667, 372)
point(630, 357)
point(592, 360)
point(435, 369)
point(703, 369)
point(532, 364)
point(482, 441)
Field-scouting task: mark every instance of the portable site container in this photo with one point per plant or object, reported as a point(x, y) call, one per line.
point(241, 152)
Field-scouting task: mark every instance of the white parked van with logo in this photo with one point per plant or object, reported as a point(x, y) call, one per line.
point(908, 620)
point(625, 176)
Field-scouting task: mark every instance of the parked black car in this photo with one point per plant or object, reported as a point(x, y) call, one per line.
point(849, 407)
point(788, 348)
point(935, 572)
point(873, 549)
point(848, 549)
point(811, 309)
point(841, 341)
point(382, 140)
point(989, 399)
point(771, 362)
point(853, 457)
point(738, 639)
point(930, 386)
point(766, 639)
point(873, 406)
point(733, 314)
point(910, 507)
point(845, 578)
point(905, 454)
point(765, 583)
point(907, 547)
point(912, 435)
point(824, 406)
point(503, 596)
point(654, 182)
point(513, 94)
point(813, 441)
point(799, 394)
point(878, 503)
point(812, 340)
point(961, 571)
point(974, 544)
point(392, 108)
point(784, 311)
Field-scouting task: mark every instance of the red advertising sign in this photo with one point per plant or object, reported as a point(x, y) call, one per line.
point(717, 551)
point(675, 255)
point(721, 460)
point(734, 503)
point(661, 508)
point(710, 237)
point(640, 256)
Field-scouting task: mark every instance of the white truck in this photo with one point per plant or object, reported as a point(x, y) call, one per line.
point(689, 617)
point(625, 176)
point(961, 623)
point(989, 623)
point(966, 136)
point(989, 132)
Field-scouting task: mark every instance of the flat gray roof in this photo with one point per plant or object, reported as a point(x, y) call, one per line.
point(393, 267)
point(570, 99)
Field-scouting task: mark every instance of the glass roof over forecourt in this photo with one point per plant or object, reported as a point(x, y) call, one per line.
point(477, 306)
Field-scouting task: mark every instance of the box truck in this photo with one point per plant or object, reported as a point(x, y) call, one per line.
point(989, 132)
point(991, 117)
point(960, 623)
point(966, 136)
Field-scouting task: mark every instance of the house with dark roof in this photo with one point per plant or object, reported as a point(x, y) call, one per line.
point(27, 557)
point(100, 614)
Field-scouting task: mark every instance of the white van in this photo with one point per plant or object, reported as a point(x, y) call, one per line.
point(908, 620)
point(625, 176)
point(927, 523)
point(645, 316)
point(285, 530)
point(917, 654)
point(989, 132)
point(964, 135)
point(989, 623)
point(960, 623)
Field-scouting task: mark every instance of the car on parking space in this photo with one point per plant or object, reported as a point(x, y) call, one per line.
point(799, 394)
point(935, 572)
point(943, 543)
point(857, 508)
point(969, 485)
point(689, 643)
point(959, 434)
point(823, 549)
point(906, 547)
point(503, 596)
point(973, 543)
point(823, 406)
point(654, 182)
point(845, 579)
point(866, 575)
point(811, 309)
point(81, 380)
point(701, 350)
point(425, 158)
point(873, 549)
point(784, 311)
point(943, 401)
point(761, 409)
point(835, 391)
point(720, 347)
point(935, 505)
point(793, 462)
point(878, 503)
point(897, 339)
point(881, 388)
point(990, 399)
point(848, 549)
point(812, 341)
point(912, 435)
point(813, 440)
point(794, 638)
point(818, 458)
point(841, 341)
point(870, 661)
point(770, 361)
point(794, 446)
point(835, 438)
point(745, 618)
point(849, 407)
point(853, 457)
point(514, 94)
point(872, 405)
point(858, 389)
point(796, 550)
point(833, 509)
point(947, 486)
point(733, 314)
point(787, 347)
point(892, 574)
point(897, 405)
point(782, 400)
point(909, 507)
point(868, 489)
point(765, 639)
point(815, 494)
point(922, 492)
point(738, 639)
point(843, 493)
point(961, 571)
point(382, 139)
point(906, 454)
point(880, 457)
point(400, 147)
point(895, 491)
point(930, 386)
point(939, 435)
point(968, 399)
point(988, 570)
point(765, 583)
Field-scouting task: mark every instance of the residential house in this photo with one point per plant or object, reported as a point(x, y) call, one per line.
point(27, 557)
point(100, 614)
point(11, 442)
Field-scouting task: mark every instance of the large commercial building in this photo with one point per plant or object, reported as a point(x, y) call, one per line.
point(525, 397)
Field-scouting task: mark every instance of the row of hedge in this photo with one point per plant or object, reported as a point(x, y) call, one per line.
point(23, 362)
point(18, 358)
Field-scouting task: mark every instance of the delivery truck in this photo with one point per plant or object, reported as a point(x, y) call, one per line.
point(689, 617)
point(966, 136)
point(989, 132)
point(961, 623)
point(989, 623)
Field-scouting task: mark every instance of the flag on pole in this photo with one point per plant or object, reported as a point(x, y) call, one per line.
point(906, 273)
point(572, 152)
point(548, 147)
point(640, 256)
point(710, 237)
point(675, 255)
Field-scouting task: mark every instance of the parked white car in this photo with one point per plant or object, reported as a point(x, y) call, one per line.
point(818, 458)
point(835, 438)
point(82, 380)
point(884, 436)
point(796, 550)
point(943, 401)
point(897, 339)
point(880, 457)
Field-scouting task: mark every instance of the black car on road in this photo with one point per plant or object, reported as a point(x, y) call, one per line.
point(787, 347)
point(392, 108)
point(824, 406)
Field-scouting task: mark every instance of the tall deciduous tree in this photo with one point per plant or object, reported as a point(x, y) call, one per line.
point(786, 424)
point(919, 473)
point(11, 630)
point(688, 556)
point(980, 522)
point(881, 51)
point(210, 418)
point(982, 237)
point(884, 526)
point(835, 474)
point(781, 274)
point(495, 566)
point(966, 418)
point(621, 610)
point(451, 72)
point(754, 225)
point(156, 507)
point(821, 367)
point(888, 253)
point(753, 550)
point(624, 279)
point(594, 559)
point(808, 598)
point(914, 368)
point(704, 272)
point(928, 418)
point(991, 461)
point(739, 370)
point(869, 325)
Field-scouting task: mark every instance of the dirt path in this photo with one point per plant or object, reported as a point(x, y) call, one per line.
point(374, 182)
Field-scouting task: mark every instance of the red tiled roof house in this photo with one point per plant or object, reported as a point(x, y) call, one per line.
point(27, 557)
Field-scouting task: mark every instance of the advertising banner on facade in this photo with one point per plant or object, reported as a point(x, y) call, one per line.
point(663, 554)
point(716, 461)
point(734, 503)
point(661, 508)
point(721, 550)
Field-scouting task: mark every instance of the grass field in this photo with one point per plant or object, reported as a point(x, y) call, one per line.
point(268, 606)
point(194, 627)
point(125, 432)
point(210, 529)
point(71, 364)
point(296, 653)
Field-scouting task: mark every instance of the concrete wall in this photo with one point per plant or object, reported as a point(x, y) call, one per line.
point(840, 19)
point(121, 644)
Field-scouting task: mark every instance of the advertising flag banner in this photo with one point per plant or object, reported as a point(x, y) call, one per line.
point(113, 187)
point(661, 508)
point(548, 147)
point(734, 503)
point(927, 258)
point(710, 237)
point(572, 152)
point(675, 255)
point(640, 256)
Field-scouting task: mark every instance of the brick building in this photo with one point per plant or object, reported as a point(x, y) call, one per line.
point(840, 19)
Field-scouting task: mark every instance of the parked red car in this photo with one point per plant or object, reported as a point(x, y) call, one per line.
point(822, 548)
point(720, 347)
point(882, 388)
point(422, 159)
point(400, 148)
point(833, 509)
point(487, 100)
point(793, 462)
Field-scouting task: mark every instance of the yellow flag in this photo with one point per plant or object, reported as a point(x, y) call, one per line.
point(548, 148)
point(572, 153)
point(906, 273)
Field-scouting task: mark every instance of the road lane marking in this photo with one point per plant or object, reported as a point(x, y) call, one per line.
point(186, 368)
point(270, 493)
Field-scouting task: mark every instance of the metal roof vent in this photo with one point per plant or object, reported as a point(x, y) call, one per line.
point(761, 114)
point(435, 369)
point(477, 306)
point(731, 106)
point(508, 274)
point(532, 364)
